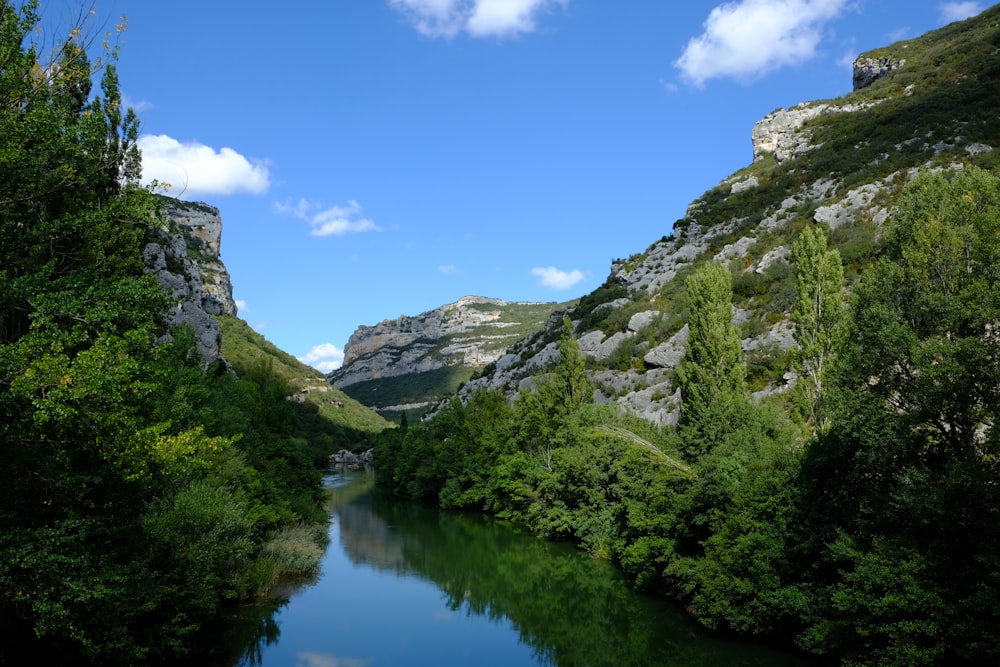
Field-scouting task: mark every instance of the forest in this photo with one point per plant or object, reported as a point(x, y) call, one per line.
point(142, 491)
point(855, 516)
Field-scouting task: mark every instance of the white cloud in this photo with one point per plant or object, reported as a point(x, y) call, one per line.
point(556, 279)
point(958, 11)
point(747, 39)
point(479, 18)
point(241, 305)
point(197, 170)
point(325, 358)
point(332, 221)
point(448, 269)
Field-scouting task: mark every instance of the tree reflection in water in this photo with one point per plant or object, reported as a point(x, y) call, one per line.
point(567, 607)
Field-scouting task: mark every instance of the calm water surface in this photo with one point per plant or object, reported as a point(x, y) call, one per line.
point(406, 585)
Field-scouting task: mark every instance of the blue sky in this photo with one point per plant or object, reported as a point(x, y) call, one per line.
point(372, 158)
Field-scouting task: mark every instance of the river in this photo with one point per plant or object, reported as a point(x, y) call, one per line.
point(406, 585)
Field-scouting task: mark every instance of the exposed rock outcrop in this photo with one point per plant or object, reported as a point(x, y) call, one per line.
point(778, 132)
point(868, 70)
point(185, 261)
point(463, 332)
point(201, 225)
point(453, 340)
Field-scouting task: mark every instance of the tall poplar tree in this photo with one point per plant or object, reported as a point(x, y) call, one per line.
point(820, 315)
point(713, 367)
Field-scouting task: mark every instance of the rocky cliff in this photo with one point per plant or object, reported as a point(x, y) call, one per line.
point(185, 258)
point(451, 341)
point(929, 103)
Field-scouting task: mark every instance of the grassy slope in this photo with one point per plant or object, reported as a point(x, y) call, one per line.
point(242, 347)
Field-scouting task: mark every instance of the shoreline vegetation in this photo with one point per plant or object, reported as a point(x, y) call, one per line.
point(854, 516)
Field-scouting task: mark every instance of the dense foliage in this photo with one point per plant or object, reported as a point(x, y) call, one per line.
point(140, 491)
point(859, 517)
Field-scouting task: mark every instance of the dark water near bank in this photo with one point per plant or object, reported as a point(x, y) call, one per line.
point(403, 584)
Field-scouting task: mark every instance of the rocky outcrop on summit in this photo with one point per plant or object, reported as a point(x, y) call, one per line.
point(185, 260)
point(201, 226)
point(868, 70)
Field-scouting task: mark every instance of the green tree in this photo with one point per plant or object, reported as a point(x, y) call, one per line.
point(125, 519)
point(713, 368)
point(820, 314)
point(902, 491)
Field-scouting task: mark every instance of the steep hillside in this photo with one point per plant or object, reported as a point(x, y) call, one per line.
point(926, 103)
point(410, 363)
point(244, 348)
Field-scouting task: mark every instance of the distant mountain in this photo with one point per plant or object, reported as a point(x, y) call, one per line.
point(412, 362)
point(927, 103)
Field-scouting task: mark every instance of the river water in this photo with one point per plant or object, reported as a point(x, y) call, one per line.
point(406, 585)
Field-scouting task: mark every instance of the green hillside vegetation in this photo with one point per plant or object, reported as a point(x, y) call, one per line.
point(411, 388)
point(142, 493)
point(924, 114)
point(854, 515)
point(345, 417)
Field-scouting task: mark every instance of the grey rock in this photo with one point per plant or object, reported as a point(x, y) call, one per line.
point(470, 332)
point(670, 353)
point(780, 253)
point(639, 321)
point(779, 134)
point(869, 70)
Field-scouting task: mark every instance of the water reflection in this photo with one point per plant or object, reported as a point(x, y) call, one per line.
point(569, 608)
point(498, 597)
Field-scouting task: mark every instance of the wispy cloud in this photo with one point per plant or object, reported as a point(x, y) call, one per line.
point(196, 170)
point(136, 105)
point(325, 357)
point(478, 18)
point(555, 278)
point(448, 269)
point(331, 221)
point(958, 11)
point(747, 39)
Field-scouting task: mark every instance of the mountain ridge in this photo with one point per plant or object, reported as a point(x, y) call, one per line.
point(449, 343)
point(921, 104)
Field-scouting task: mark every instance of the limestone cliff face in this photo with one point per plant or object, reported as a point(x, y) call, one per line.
point(470, 332)
point(411, 363)
point(184, 257)
point(201, 226)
